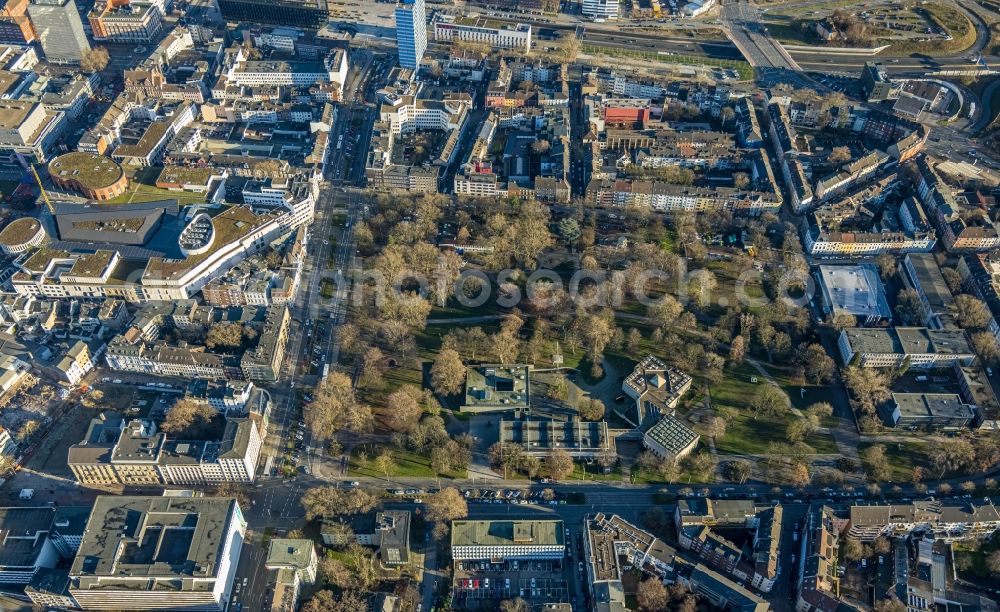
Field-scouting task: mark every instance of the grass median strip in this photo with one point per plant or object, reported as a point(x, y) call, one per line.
point(743, 68)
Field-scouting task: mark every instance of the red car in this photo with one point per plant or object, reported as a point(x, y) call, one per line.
point(475, 584)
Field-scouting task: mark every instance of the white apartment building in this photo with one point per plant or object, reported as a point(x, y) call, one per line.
point(972, 521)
point(497, 34)
point(870, 244)
point(408, 114)
point(233, 459)
point(476, 185)
point(244, 72)
point(623, 86)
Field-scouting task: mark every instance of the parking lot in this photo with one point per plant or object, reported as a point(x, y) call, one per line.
point(478, 582)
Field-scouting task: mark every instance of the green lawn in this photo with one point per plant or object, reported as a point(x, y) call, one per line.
point(405, 464)
point(643, 476)
point(903, 456)
point(813, 393)
point(148, 193)
point(142, 188)
point(583, 471)
point(746, 435)
point(736, 389)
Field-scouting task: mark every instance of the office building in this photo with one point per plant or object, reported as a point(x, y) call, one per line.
point(670, 439)
point(920, 347)
point(125, 20)
point(35, 540)
point(654, 388)
point(539, 437)
point(497, 388)
point(60, 30)
point(931, 411)
point(49, 590)
point(876, 84)
point(29, 129)
point(15, 25)
point(411, 33)
point(921, 272)
point(505, 540)
point(600, 10)
point(856, 291)
point(25, 546)
point(156, 553)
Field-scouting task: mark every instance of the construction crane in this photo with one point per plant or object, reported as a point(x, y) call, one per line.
point(38, 181)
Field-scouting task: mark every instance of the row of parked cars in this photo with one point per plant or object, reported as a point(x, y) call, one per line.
point(511, 496)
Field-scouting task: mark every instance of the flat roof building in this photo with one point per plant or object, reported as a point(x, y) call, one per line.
point(722, 592)
point(25, 546)
point(931, 411)
point(921, 272)
point(391, 537)
point(920, 346)
point(29, 129)
point(540, 436)
point(154, 553)
point(60, 30)
point(501, 540)
point(298, 555)
point(95, 176)
point(496, 387)
point(497, 34)
point(670, 439)
point(856, 291)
